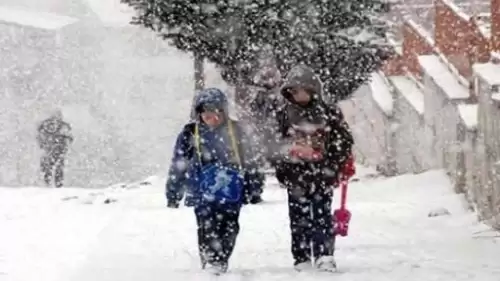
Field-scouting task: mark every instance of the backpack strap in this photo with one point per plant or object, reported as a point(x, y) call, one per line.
point(232, 136)
point(197, 140)
point(234, 143)
point(282, 119)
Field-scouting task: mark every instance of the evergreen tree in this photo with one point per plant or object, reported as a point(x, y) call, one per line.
point(343, 40)
point(338, 38)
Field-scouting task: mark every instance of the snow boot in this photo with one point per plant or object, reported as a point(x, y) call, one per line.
point(256, 200)
point(203, 263)
point(216, 268)
point(327, 264)
point(303, 266)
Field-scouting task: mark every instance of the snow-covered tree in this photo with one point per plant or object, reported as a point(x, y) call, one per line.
point(344, 40)
point(187, 24)
point(341, 39)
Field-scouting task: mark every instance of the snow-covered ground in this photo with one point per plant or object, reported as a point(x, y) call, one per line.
point(72, 235)
point(122, 234)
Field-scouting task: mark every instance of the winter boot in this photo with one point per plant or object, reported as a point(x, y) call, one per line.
point(303, 266)
point(217, 268)
point(256, 200)
point(203, 262)
point(327, 264)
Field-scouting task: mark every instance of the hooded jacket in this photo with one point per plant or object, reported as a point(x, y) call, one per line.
point(215, 147)
point(297, 121)
point(54, 135)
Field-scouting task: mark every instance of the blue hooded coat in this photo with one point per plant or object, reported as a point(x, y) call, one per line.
point(215, 147)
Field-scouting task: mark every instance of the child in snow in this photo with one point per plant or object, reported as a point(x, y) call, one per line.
point(315, 143)
point(213, 164)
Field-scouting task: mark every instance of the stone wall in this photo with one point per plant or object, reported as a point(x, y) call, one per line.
point(445, 106)
point(431, 127)
point(485, 183)
point(370, 112)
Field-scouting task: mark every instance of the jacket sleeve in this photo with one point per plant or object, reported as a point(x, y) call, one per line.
point(341, 140)
point(178, 171)
point(276, 134)
point(254, 177)
point(40, 136)
point(66, 131)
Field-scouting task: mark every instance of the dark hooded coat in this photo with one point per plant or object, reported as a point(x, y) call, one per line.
point(322, 123)
point(216, 147)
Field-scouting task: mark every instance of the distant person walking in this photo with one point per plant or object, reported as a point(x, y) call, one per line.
point(54, 136)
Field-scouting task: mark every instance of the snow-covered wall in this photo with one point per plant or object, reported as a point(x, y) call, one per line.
point(421, 131)
point(460, 128)
point(443, 93)
point(435, 123)
point(409, 136)
point(487, 189)
point(369, 113)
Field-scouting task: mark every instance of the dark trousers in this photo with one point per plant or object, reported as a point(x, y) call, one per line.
point(218, 228)
point(52, 167)
point(310, 224)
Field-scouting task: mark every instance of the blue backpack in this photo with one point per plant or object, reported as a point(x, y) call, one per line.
point(220, 183)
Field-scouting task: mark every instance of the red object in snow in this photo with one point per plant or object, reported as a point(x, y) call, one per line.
point(349, 169)
point(342, 216)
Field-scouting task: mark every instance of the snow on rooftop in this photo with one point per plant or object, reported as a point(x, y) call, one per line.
point(489, 72)
point(112, 12)
point(483, 21)
point(495, 56)
point(456, 9)
point(442, 76)
point(453, 70)
point(485, 30)
point(40, 20)
point(422, 31)
point(398, 46)
point(410, 91)
point(381, 93)
point(468, 113)
point(474, 7)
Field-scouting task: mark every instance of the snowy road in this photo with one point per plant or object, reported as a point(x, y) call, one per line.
point(71, 235)
point(137, 238)
point(124, 91)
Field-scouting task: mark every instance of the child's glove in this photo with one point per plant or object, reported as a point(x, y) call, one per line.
point(349, 169)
